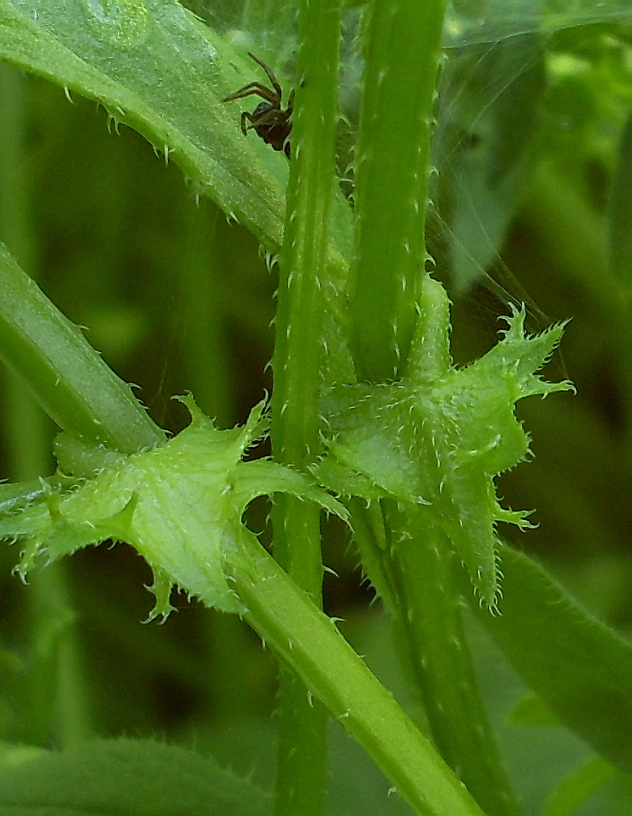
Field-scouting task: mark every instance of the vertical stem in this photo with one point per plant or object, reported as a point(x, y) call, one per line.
point(430, 620)
point(297, 359)
point(392, 168)
point(302, 722)
point(413, 567)
point(412, 561)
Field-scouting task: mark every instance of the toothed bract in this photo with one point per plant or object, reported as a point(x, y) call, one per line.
point(180, 505)
point(439, 436)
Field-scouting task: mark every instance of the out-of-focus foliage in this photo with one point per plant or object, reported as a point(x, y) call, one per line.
point(126, 776)
point(533, 160)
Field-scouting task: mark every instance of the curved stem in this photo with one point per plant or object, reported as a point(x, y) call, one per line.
point(76, 388)
point(309, 643)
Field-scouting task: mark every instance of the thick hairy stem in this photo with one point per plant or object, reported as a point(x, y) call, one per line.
point(297, 365)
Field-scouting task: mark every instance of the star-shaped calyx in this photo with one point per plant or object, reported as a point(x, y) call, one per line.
point(440, 436)
point(180, 505)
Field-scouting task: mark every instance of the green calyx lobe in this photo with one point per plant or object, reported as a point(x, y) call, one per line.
point(179, 504)
point(438, 437)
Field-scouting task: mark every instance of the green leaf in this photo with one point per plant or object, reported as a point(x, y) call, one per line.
point(578, 786)
point(155, 67)
point(532, 710)
point(179, 504)
point(124, 777)
point(440, 436)
point(579, 666)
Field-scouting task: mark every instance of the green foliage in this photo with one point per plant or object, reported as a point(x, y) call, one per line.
point(586, 661)
point(367, 401)
point(179, 504)
point(175, 103)
point(125, 776)
point(578, 787)
point(441, 436)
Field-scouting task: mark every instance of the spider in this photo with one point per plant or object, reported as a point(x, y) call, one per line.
point(267, 119)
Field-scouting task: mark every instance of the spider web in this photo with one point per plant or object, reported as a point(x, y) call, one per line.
point(494, 50)
point(467, 22)
point(489, 21)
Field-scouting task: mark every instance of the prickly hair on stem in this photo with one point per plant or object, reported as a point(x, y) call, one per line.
point(439, 437)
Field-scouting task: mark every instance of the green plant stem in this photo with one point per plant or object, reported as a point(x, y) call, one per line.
point(56, 704)
point(413, 560)
point(392, 169)
point(72, 383)
point(392, 164)
point(308, 641)
point(429, 619)
point(302, 724)
point(413, 567)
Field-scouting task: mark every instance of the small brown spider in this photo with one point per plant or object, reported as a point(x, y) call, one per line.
point(267, 119)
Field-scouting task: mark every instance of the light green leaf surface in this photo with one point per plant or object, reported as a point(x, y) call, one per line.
point(155, 67)
point(125, 777)
point(440, 436)
point(179, 504)
point(158, 69)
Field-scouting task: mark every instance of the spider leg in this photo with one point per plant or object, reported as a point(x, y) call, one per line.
point(246, 117)
point(260, 119)
point(290, 103)
point(269, 73)
point(254, 89)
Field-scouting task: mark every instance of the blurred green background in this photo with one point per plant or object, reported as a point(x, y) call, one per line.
point(531, 145)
